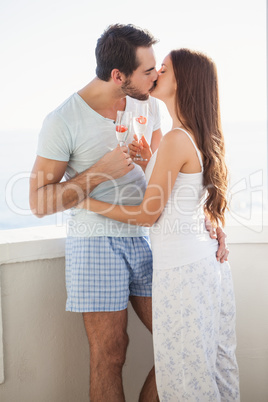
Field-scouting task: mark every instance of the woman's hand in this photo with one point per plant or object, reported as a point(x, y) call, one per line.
point(140, 147)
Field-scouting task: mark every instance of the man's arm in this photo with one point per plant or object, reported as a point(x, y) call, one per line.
point(48, 195)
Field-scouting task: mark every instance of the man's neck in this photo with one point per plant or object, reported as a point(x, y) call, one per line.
point(103, 97)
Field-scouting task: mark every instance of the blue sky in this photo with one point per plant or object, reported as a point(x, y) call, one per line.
point(47, 49)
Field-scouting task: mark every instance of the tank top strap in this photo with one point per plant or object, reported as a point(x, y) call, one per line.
point(197, 150)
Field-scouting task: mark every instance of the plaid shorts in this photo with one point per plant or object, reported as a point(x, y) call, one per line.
point(102, 272)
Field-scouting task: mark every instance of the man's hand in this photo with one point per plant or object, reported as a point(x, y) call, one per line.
point(223, 251)
point(48, 194)
point(114, 164)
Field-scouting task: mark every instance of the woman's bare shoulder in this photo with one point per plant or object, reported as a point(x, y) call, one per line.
point(175, 138)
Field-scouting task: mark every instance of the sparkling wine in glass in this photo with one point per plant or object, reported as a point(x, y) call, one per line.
point(122, 125)
point(140, 121)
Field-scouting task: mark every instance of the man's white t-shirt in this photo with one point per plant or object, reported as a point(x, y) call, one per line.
point(76, 134)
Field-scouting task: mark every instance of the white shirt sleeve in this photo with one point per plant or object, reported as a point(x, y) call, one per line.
point(54, 140)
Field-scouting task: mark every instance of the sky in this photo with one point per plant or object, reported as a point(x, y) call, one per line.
point(47, 50)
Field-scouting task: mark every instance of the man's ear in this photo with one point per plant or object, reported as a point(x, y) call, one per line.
point(117, 76)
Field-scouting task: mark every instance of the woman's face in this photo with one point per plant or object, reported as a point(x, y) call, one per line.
point(166, 85)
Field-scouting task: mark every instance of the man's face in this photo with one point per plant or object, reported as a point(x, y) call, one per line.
point(142, 81)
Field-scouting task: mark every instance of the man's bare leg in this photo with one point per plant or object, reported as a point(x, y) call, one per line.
point(108, 340)
point(143, 308)
point(149, 391)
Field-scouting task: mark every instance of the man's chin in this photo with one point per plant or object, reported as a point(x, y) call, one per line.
point(140, 97)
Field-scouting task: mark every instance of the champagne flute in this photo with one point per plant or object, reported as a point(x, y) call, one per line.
point(122, 125)
point(140, 121)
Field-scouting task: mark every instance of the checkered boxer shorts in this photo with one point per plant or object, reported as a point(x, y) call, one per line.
point(102, 272)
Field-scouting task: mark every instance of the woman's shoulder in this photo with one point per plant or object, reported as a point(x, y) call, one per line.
point(175, 137)
point(172, 148)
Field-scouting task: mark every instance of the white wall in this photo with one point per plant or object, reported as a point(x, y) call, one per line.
point(250, 274)
point(46, 356)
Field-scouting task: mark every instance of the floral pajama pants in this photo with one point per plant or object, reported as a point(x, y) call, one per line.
point(194, 333)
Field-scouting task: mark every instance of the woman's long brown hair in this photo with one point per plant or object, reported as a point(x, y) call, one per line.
point(199, 111)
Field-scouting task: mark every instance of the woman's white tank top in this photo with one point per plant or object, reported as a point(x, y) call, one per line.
point(179, 236)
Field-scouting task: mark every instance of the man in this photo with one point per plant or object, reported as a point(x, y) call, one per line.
point(107, 263)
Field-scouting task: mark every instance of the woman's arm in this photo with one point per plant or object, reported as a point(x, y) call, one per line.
point(172, 155)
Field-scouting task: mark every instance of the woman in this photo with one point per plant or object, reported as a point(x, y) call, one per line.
point(193, 300)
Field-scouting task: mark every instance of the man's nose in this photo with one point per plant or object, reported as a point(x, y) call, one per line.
point(155, 75)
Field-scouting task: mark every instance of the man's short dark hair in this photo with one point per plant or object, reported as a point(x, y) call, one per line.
point(116, 48)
